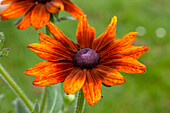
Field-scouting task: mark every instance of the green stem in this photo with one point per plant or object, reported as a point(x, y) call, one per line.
point(80, 102)
point(14, 86)
point(43, 100)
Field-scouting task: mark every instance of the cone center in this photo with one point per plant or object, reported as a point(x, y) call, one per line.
point(86, 58)
point(42, 1)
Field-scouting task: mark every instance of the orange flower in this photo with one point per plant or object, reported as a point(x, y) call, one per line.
point(37, 12)
point(87, 64)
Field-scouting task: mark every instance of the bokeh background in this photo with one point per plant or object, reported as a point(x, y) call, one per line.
point(142, 93)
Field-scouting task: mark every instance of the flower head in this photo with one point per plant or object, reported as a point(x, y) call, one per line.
point(87, 64)
point(37, 12)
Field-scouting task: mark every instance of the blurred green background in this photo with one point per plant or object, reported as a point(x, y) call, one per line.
point(142, 93)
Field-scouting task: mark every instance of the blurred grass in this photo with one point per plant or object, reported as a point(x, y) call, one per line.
point(144, 93)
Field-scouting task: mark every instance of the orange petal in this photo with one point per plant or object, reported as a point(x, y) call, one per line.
point(92, 88)
point(85, 34)
point(16, 9)
point(38, 68)
point(109, 76)
point(74, 81)
point(127, 40)
point(46, 68)
point(51, 74)
point(56, 32)
point(134, 52)
point(54, 6)
point(40, 16)
point(107, 36)
point(26, 21)
point(71, 8)
point(48, 52)
point(124, 64)
point(45, 39)
point(7, 1)
point(118, 44)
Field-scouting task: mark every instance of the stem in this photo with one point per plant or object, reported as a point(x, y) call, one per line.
point(80, 102)
point(14, 86)
point(43, 99)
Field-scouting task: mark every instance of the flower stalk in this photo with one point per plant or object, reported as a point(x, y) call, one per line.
point(15, 87)
point(43, 100)
point(80, 102)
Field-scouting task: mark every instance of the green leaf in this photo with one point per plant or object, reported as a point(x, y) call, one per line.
point(2, 39)
point(20, 107)
point(54, 99)
point(4, 52)
point(36, 108)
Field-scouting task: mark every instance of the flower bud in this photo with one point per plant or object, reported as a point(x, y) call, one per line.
point(69, 99)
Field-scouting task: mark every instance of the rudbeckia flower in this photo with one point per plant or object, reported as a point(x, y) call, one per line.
point(37, 12)
point(88, 64)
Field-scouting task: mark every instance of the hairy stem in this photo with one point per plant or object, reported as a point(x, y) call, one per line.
point(80, 102)
point(15, 87)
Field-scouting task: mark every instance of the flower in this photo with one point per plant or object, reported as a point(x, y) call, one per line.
point(37, 12)
point(87, 64)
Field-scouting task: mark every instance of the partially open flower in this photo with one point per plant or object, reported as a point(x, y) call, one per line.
point(37, 12)
point(87, 64)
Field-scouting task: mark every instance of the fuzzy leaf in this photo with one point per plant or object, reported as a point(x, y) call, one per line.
point(20, 107)
point(54, 99)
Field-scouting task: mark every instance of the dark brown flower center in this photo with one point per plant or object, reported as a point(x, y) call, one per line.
point(86, 58)
point(41, 1)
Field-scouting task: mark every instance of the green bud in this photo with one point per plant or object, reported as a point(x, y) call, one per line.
point(69, 99)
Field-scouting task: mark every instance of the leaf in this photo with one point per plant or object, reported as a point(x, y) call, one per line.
point(36, 107)
point(20, 107)
point(2, 39)
point(4, 52)
point(54, 99)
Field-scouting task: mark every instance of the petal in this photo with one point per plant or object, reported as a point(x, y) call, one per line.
point(40, 16)
point(54, 6)
point(7, 1)
point(118, 44)
point(92, 88)
point(26, 21)
point(74, 81)
point(124, 64)
point(16, 9)
point(109, 76)
point(85, 34)
point(49, 52)
point(134, 52)
point(107, 36)
point(45, 39)
point(56, 32)
point(46, 68)
point(50, 74)
point(71, 8)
